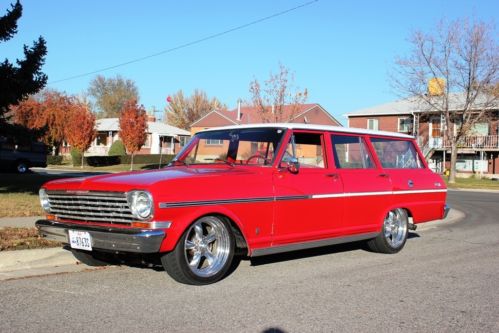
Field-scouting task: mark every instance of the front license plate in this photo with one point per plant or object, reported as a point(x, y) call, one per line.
point(80, 240)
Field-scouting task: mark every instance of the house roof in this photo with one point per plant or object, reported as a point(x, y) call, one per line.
point(252, 115)
point(418, 105)
point(113, 124)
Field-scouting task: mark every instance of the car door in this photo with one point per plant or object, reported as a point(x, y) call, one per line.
point(308, 201)
point(367, 188)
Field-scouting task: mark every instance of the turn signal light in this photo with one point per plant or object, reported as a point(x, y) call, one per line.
point(50, 217)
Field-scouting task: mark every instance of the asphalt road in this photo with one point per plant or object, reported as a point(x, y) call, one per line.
point(445, 280)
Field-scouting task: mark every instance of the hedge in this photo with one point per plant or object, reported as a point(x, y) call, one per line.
point(97, 161)
point(54, 160)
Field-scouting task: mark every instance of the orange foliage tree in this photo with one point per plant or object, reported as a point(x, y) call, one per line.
point(80, 129)
point(133, 126)
point(49, 112)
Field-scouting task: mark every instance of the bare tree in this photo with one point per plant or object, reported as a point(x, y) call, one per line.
point(460, 60)
point(112, 94)
point(278, 100)
point(182, 111)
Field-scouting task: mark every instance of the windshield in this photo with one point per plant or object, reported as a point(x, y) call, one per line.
point(248, 146)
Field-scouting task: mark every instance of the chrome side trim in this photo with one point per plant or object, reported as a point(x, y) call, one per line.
point(311, 244)
point(114, 239)
point(164, 205)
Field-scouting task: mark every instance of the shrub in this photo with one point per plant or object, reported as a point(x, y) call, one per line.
point(97, 161)
point(117, 149)
point(147, 159)
point(54, 160)
point(76, 157)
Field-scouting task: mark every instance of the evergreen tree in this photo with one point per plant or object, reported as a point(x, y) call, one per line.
point(19, 81)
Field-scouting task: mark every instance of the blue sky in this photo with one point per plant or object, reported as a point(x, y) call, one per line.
point(341, 51)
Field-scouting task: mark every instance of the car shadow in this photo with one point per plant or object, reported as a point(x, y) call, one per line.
point(308, 253)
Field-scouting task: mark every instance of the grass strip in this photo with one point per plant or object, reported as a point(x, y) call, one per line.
point(23, 239)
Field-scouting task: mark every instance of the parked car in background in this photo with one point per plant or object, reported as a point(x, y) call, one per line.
point(20, 156)
point(253, 190)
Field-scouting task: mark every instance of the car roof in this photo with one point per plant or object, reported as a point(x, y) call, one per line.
point(312, 127)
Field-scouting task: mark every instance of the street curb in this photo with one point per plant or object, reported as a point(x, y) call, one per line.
point(22, 263)
point(453, 217)
point(460, 189)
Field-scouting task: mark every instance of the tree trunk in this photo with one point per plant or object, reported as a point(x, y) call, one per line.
point(131, 163)
point(453, 159)
point(82, 159)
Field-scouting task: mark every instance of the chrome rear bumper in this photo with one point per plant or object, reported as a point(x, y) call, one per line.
point(113, 239)
point(446, 210)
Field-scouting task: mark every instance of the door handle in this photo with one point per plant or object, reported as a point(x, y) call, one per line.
point(332, 175)
point(384, 175)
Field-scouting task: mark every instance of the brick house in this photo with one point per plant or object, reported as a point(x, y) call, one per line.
point(477, 153)
point(306, 113)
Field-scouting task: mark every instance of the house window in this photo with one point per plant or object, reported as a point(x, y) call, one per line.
point(405, 125)
point(183, 140)
point(480, 129)
point(212, 142)
point(372, 124)
point(102, 139)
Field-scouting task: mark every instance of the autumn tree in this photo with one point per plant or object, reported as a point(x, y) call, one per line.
point(80, 128)
point(133, 127)
point(18, 82)
point(47, 112)
point(278, 99)
point(110, 95)
point(182, 111)
point(460, 60)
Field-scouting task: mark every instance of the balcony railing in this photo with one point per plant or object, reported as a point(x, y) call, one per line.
point(478, 142)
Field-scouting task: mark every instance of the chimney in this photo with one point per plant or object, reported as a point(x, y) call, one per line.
point(239, 110)
point(151, 117)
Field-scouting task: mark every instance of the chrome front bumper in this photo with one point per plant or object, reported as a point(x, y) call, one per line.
point(113, 239)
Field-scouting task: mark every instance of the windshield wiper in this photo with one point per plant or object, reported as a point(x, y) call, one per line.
point(177, 162)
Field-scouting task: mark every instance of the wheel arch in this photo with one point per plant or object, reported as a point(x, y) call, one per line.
point(181, 225)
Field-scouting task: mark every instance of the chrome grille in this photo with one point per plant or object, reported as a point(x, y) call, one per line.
point(95, 206)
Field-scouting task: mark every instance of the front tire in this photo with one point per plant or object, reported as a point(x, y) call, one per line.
point(203, 254)
point(393, 233)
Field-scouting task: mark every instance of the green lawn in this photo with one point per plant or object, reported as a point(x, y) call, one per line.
point(19, 194)
point(474, 183)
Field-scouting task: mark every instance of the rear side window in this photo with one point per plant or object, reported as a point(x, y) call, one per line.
point(351, 152)
point(396, 154)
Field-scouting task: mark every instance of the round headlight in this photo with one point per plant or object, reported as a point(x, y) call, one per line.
point(141, 204)
point(44, 200)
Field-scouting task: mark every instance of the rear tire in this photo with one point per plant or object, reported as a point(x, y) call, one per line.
point(203, 254)
point(393, 233)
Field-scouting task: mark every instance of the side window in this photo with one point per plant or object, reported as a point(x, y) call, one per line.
point(396, 154)
point(351, 152)
point(307, 148)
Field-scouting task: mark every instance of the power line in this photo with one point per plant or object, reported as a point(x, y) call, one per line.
point(197, 41)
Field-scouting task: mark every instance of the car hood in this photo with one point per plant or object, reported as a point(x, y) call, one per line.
point(140, 180)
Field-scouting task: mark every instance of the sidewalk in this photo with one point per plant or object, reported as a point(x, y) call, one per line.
point(19, 222)
point(27, 263)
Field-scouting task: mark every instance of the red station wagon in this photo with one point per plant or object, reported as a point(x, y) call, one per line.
point(253, 190)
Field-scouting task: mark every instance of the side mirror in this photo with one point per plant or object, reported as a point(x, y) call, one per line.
point(293, 165)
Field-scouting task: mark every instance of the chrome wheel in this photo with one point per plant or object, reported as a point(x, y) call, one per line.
point(395, 228)
point(207, 246)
